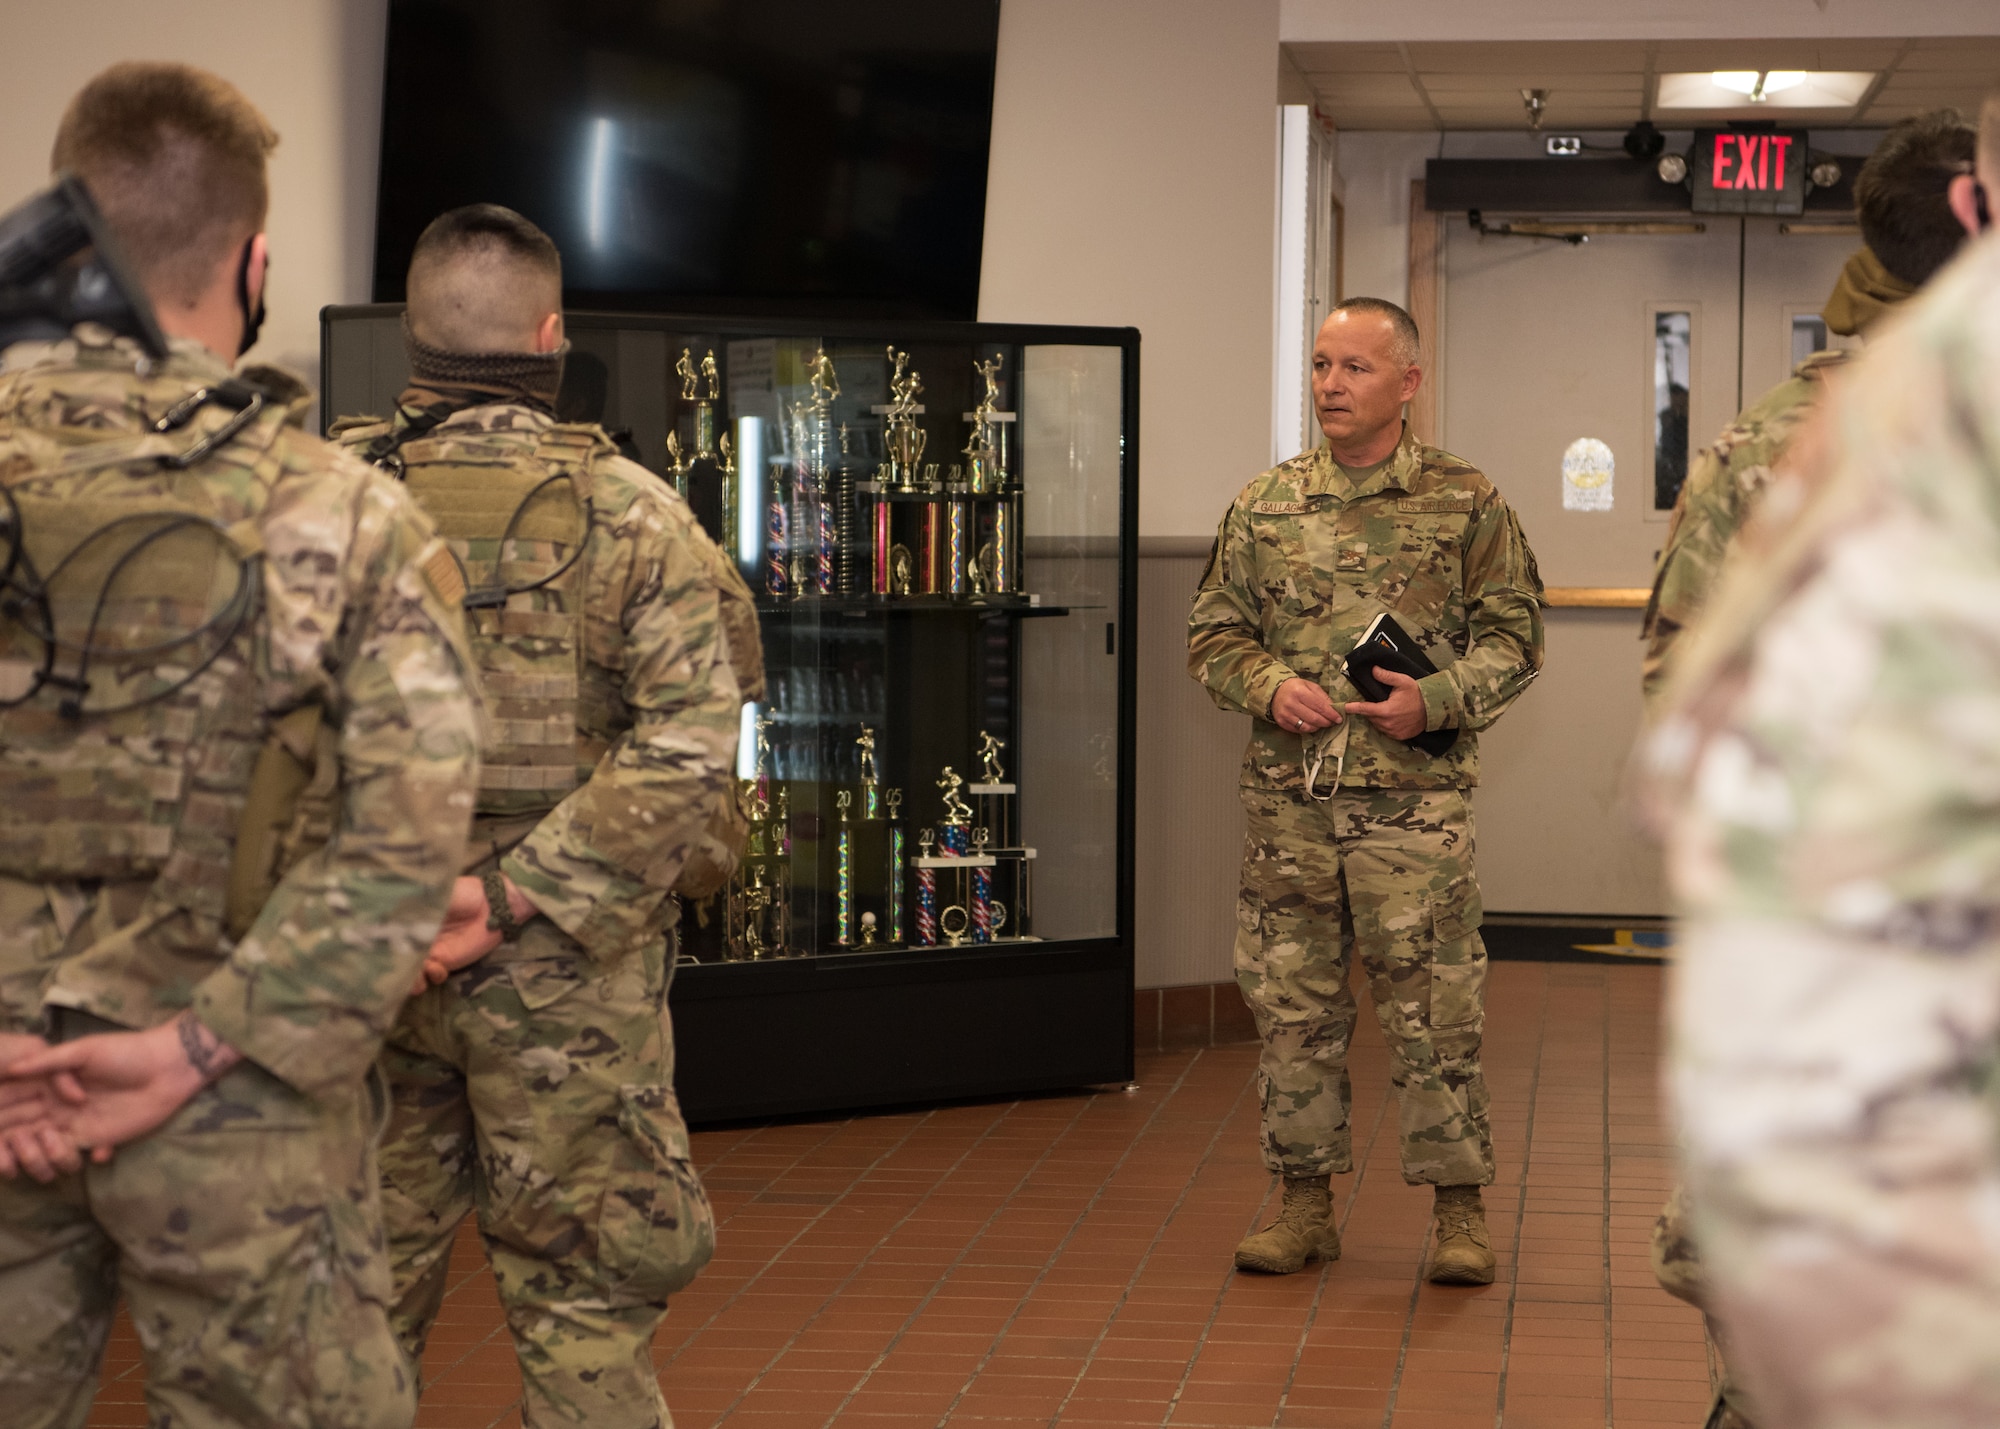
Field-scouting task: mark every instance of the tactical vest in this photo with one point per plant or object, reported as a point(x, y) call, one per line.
point(132, 700)
point(542, 742)
point(517, 517)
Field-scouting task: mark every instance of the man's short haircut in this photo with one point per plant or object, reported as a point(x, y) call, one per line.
point(1408, 344)
point(480, 277)
point(1900, 193)
point(174, 156)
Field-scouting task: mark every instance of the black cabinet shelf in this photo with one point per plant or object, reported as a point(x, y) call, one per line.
point(909, 605)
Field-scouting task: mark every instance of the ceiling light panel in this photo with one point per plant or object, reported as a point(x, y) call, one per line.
point(1779, 89)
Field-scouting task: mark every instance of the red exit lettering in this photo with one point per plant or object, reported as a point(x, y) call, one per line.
point(1759, 161)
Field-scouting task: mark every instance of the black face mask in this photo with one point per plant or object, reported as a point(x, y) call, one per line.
point(253, 320)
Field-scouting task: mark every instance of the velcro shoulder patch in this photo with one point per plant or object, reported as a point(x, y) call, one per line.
point(1436, 502)
point(1281, 508)
point(445, 576)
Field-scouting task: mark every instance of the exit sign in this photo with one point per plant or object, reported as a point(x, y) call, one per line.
point(1749, 171)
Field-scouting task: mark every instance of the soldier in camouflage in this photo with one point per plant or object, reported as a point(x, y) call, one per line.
point(208, 593)
point(1358, 839)
point(1828, 758)
point(533, 1083)
point(1901, 201)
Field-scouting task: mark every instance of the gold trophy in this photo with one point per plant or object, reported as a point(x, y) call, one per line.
point(903, 438)
point(759, 900)
point(871, 790)
point(990, 771)
point(680, 460)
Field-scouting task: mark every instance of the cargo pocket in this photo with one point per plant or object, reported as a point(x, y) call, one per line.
point(543, 982)
point(1458, 957)
point(655, 1231)
point(1249, 909)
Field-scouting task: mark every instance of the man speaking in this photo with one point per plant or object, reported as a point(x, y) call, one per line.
point(1360, 831)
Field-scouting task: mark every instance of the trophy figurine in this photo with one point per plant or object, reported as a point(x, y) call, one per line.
point(990, 771)
point(685, 369)
point(953, 832)
point(870, 790)
point(899, 566)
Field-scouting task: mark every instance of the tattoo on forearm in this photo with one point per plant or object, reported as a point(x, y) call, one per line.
point(199, 1045)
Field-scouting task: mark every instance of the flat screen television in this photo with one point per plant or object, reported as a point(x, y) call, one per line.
point(812, 157)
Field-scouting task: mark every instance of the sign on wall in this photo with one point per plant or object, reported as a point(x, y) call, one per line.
point(1749, 171)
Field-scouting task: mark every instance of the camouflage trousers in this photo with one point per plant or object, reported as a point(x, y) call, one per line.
point(1677, 1266)
point(537, 1092)
point(1385, 874)
point(245, 1235)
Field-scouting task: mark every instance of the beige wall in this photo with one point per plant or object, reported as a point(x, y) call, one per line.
point(1132, 183)
point(313, 66)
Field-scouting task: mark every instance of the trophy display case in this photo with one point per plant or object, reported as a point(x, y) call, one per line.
point(938, 523)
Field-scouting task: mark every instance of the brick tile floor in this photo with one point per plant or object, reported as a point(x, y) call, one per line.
point(1065, 1260)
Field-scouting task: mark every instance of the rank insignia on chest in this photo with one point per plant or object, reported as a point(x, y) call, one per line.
point(1351, 558)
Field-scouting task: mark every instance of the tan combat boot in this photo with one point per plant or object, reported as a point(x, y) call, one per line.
point(1464, 1254)
point(1303, 1231)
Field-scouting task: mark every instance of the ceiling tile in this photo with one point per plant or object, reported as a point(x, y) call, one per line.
point(1600, 83)
point(1365, 89)
point(1345, 59)
point(1566, 57)
point(1776, 54)
point(1364, 117)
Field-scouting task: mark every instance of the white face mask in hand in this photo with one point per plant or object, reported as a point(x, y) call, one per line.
point(1318, 745)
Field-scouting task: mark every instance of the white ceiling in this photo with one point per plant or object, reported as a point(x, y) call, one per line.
point(1607, 84)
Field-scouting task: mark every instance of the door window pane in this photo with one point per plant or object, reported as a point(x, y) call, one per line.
point(1673, 338)
point(1808, 336)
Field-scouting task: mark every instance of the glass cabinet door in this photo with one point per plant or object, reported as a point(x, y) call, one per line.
point(930, 524)
point(931, 532)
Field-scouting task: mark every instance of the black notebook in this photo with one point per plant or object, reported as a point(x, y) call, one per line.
point(1386, 645)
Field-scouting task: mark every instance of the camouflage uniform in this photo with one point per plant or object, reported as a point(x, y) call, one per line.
point(535, 1087)
point(244, 1234)
point(1723, 486)
point(1377, 854)
point(1831, 751)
